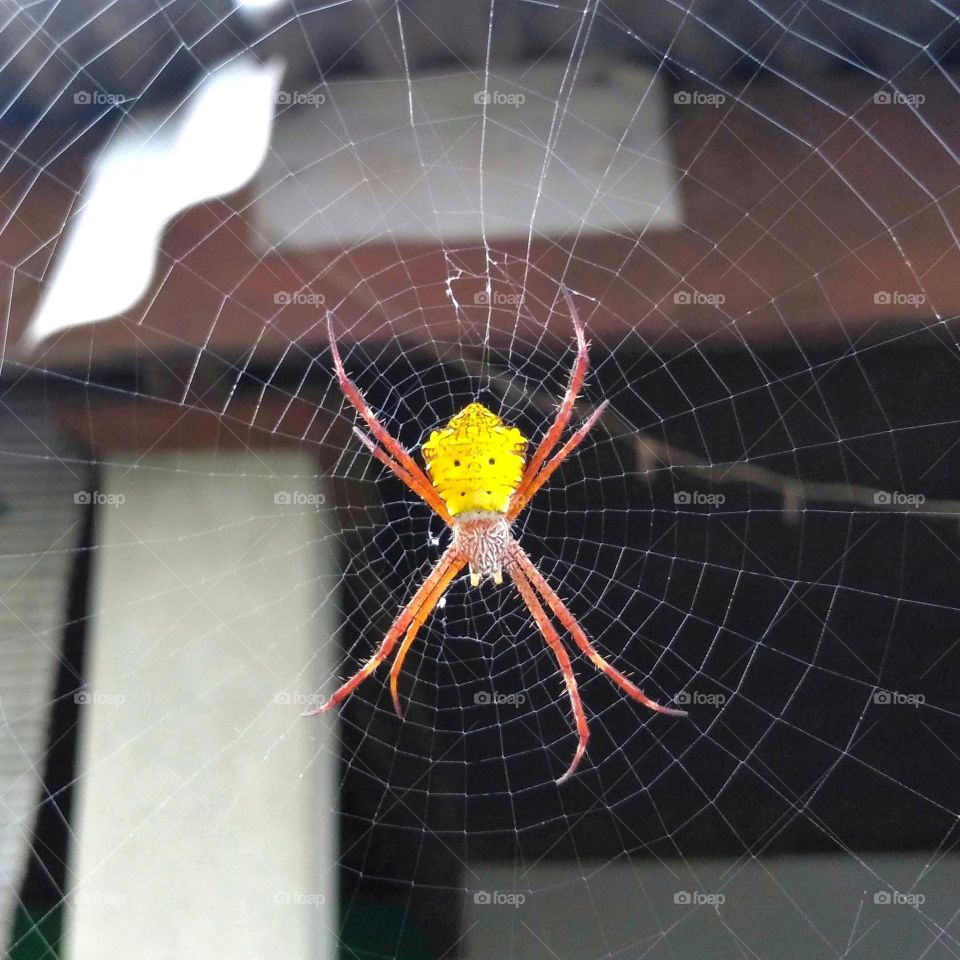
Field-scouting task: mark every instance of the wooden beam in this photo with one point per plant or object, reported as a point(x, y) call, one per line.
point(807, 214)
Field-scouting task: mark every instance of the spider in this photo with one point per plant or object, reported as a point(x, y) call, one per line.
point(477, 481)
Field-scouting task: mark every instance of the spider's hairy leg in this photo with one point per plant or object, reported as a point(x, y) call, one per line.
point(398, 455)
point(451, 559)
point(523, 496)
point(419, 618)
point(564, 411)
point(427, 494)
point(570, 623)
point(553, 641)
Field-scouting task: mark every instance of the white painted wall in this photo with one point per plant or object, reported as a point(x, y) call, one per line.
point(207, 805)
point(865, 907)
point(455, 157)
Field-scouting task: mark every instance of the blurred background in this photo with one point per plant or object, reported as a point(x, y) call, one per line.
point(754, 207)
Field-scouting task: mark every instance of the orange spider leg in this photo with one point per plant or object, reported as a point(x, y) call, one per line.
point(427, 494)
point(565, 409)
point(553, 640)
point(521, 499)
point(394, 448)
point(419, 618)
point(568, 620)
point(418, 601)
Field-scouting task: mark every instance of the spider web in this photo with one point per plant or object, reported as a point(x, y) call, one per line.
point(762, 528)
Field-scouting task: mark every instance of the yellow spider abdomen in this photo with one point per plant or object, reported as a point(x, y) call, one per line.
point(476, 461)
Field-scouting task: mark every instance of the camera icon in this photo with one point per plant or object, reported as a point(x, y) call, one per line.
point(682, 297)
point(882, 896)
point(283, 498)
point(882, 498)
point(83, 497)
point(482, 697)
point(82, 97)
point(481, 98)
point(882, 96)
point(482, 897)
point(481, 299)
point(682, 96)
point(882, 297)
point(681, 498)
point(682, 897)
point(284, 97)
point(882, 697)
point(82, 696)
point(682, 698)
point(282, 298)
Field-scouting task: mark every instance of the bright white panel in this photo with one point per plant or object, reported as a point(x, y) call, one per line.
point(154, 167)
point(206, 823)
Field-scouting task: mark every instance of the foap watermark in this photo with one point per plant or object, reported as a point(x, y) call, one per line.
point(897, 298)
point(699, 299)
point(296, 898)
point(499, 898)
point(493, 298)
point(498, 98)
point(309, 701)
point(898, 98)
point(86, 497)
point(697, 898)
point(696, 498)
point(85, 696)
point(699, 98)
point(687, 698)
point(298, 498)
point(299, 98)
point(896, 898)
point(499, 699)
point(299, 298)
point(98, 98)
point(97, 898)
point(896, 498)
point(894, 698)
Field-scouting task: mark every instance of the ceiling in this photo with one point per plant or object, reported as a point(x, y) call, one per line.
point(807, 268)
point(150, 51)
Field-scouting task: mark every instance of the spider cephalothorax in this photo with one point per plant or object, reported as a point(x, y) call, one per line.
point(484, 538)
point(478, 481)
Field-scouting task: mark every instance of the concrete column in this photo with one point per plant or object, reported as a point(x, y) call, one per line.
point(207, 805)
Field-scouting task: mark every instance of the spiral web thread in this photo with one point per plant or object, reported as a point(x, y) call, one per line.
point(723, 536)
